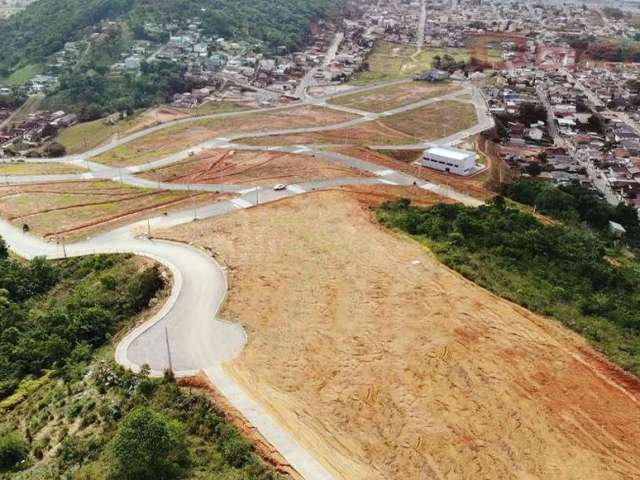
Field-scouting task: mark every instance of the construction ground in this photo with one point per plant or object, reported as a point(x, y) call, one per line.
point(386, 364)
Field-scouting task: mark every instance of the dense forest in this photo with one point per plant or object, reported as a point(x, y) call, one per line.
point(110, 424)
point(67, 411)
point(42, 29)
point(54, 315)
point(576, 205)
point(94, 94)
point(555, 270)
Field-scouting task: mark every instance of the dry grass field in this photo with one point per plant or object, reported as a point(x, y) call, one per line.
point(75, 210)
point(387, 365)
point(250, 168)
point(180, 137)
point(432, 122)
point(38, 169)
point(394, 96)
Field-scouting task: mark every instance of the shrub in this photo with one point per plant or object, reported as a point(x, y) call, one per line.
point(55, 150)
point(236, 451)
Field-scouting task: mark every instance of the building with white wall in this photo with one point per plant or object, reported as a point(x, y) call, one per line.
point(452, 160)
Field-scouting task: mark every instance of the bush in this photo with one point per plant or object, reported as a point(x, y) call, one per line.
point(55, 150)
point(13, 451)
point(236, 451)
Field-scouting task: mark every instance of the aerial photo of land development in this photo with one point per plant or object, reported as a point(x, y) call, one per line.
point(319, 240)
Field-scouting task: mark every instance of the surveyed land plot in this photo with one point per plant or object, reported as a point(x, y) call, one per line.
point(392, 366)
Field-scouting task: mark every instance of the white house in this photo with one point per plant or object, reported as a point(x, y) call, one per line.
point(453, 160)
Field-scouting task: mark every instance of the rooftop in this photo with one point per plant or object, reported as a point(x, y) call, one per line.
point(453, 153)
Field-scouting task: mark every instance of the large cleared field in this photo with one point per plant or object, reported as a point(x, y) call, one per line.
point(387, 365)
point(244, 167)
point(394, 96)
point(391, 61)
point(76, 209)
point(180, 137)
point(432, 122)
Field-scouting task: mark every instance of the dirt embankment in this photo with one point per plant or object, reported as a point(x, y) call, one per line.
point(387, 365)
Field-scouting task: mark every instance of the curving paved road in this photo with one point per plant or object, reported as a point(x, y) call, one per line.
point(185, 335)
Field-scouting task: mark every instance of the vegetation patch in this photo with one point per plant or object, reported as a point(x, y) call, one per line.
point(104, 423)
point(576, 205)
point(391, 61)
point(39, 169)
point(554, 270)
point(434, 121)
point(88, 135)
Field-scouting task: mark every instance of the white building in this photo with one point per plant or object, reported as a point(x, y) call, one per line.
point(453, 160)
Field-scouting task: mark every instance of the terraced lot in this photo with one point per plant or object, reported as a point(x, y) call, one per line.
point(180, 137)
point(432, 122)
point(74, 210)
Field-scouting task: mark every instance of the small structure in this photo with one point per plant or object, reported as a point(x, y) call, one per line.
point(452, 160)
point(617, 230)
point(433, 75)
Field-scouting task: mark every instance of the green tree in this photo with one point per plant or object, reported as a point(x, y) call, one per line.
point(13, 450)
point(149, 446)
point(55, 150)
point(534, 169)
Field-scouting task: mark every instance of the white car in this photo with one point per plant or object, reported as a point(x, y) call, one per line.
point(279, 187)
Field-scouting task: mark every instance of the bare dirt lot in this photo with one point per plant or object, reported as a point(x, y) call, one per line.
point(422, 124)
point(74, 210)
point(179, 137)
point(394, 96)
point(387, 365)
point(251, 168)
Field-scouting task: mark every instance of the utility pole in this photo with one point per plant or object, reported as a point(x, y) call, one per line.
point(193, 198)
point(64, 248)
point(166, 337)
point(148, 228)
